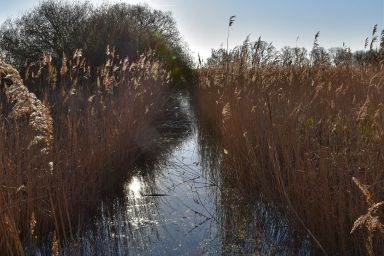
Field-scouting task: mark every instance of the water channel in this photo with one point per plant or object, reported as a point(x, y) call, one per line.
point(181, 206)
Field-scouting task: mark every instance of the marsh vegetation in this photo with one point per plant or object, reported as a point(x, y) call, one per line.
point(112, 141)
point(306, 131)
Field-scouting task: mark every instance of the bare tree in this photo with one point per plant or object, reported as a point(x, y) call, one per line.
point(62, 27)
point(53, 27)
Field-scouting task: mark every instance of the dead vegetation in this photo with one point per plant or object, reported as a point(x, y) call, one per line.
point(59, 155)
point(298, 129)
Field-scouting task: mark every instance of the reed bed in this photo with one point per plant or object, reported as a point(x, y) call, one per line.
point(307, 134)
point(60, 154)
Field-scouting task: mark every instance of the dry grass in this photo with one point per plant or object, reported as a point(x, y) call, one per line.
point(56, 161)
point(25, 147)
point(298, 133)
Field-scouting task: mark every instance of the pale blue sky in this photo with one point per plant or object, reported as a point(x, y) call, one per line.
point(203, 23)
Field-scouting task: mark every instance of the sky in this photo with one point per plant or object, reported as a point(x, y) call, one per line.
point(203, 23)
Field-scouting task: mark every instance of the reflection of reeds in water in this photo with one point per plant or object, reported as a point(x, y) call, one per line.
point(57, 161)
point(205, 211)
point(122, 226)
point(247, 223)
point(130, 221)
point(298, 133)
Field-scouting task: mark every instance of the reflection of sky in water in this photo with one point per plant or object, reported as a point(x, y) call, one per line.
point(178, 209)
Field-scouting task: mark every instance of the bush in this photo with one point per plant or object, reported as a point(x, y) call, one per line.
point(61, 28)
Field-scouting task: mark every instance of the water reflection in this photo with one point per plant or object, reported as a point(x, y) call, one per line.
point(134, 187)
point(186, 204)
point(250, 224)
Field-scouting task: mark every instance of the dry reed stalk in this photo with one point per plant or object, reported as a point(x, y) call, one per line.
point(26, 147)
point(97, 121)
point(300, 132)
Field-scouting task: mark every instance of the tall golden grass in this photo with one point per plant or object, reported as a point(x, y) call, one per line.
point(307, 135)
point(60, 154)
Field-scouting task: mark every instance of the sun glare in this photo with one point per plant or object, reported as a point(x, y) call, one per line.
point(135, 187)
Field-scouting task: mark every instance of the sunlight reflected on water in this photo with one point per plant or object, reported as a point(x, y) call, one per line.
point(182, 205)
point(135, 187)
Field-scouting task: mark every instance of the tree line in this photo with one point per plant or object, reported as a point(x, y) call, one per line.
point(62, 28)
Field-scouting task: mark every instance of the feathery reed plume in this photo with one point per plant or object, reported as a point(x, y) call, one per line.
point(230, 23)
point(300, 133)
point(316, 41)
point(24, 109)
point(226, 113)
point(101, 124)
point(374, 37)
point(372, 221)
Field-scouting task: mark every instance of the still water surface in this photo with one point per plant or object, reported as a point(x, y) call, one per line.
point(181, 206)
